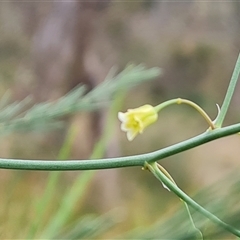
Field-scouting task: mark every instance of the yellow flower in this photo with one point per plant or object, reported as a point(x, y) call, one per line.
point(134, 121)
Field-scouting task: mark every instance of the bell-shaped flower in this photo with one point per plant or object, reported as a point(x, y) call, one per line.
point(134, 121)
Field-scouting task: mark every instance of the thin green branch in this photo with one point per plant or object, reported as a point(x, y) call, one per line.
point(229, 94)
point(174, 188)
point(198, 232)
point(137, 160)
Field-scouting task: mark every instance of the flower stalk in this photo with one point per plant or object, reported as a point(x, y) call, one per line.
point(190, 103)
point(134, 121)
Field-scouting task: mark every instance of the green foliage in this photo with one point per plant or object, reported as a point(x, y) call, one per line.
point(80, 186)
point(68, 105)
point(87, 226)
point(18, 116)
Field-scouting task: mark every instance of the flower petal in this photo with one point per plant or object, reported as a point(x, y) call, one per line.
point(122, 117)
point(124, 128)
point(131, 135)
point(134, 121)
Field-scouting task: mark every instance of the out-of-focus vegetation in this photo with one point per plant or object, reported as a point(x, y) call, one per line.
point(46, 49)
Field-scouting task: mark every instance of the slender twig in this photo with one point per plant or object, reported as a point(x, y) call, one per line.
point(229, 94)
point(137, 160)
point(174, 188)
point(198, 232)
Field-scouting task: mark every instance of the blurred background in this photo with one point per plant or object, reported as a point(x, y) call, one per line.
point(48, 48)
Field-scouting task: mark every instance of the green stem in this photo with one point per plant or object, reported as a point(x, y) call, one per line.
point(165, 172)
point(137, 160)
point(192, 222)
point(174, 188)
point(190, 103)
point(78, 188)
point(51, 185)
point(229, 94)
